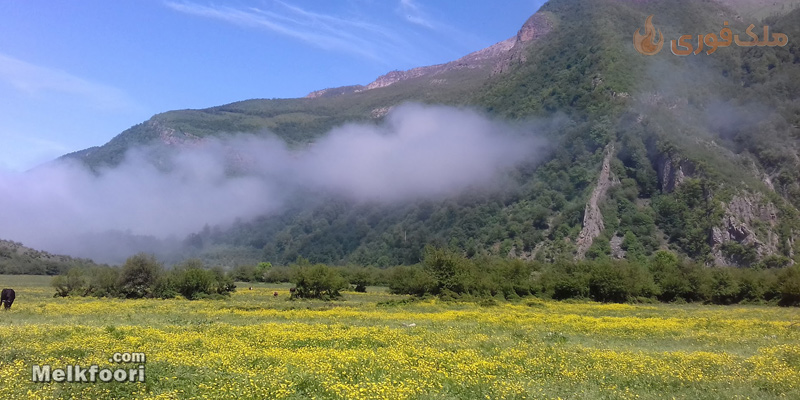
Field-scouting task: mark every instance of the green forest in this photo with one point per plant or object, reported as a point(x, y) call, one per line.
point(704, 166)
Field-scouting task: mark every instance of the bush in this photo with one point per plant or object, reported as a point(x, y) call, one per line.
point(245, 273)
point(72, 283)
point(753, 284)
point(193, 281)
point(450, 270)
point(568, 281)
point(774, 261)
point(412, 280)
point(278, 275)
point(317, 282)
point(223, 284)
point(790, 286)
point(725, 288)
point(608, 283)
point(165, 287)
point(360, 277)
point(143, 276)
point(139, 276)
point(672, 284)
point(103, 281)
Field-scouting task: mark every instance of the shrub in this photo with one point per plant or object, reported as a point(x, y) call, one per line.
point(568, 281)
point(245, 273)
point(194, 282)
point(103, 281)
point(278, 275)
point(700, 282)
point(318, 282)
point(360, 277)
point(725, 287)
point(223, 284)
point(774, 261)
point(413, 280)
point(450, 270)
point(73, 283)
point(790, 286)
point(608, 283)
point(139, 275)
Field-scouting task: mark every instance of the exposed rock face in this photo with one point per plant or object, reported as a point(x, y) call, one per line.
point(333, 92)
point(498, 57)
point(172, 137)
point(671, 173)
point(742, 214)
point(397, 76)
point(592, 218)
point(616, 248)
point(535, 27)
point(472, 60)
point(380, 112)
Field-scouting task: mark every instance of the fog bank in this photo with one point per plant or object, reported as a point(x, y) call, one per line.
point(417, 152)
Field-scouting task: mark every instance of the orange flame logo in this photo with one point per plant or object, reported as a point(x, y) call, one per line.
point(646, 44)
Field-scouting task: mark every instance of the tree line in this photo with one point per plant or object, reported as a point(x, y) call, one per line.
point(450, 275)
point(143, 276)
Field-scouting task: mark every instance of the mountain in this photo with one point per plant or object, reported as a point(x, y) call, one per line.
point(18, 259)
point(300, 121)
point(698, 154)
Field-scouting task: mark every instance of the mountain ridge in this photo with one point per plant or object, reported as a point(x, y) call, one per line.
point(686, 183)
point(496, 57)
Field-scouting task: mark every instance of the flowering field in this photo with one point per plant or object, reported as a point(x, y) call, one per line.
point(257, 346)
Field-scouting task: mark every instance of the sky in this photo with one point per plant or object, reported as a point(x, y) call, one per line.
point(74, 74)
point(416, 152)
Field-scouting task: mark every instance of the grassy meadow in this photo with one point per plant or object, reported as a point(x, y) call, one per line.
point(376, 346)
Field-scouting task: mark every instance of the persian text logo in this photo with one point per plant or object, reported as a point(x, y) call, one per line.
point(647, 44)
point(684, 46)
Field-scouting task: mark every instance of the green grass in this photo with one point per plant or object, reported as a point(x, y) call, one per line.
point(376, 345)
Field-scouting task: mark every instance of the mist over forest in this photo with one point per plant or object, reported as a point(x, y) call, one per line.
point(417, 152)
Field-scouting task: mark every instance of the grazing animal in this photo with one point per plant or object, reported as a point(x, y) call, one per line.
point(7, 298)
point(292, 290)
point(275, 294)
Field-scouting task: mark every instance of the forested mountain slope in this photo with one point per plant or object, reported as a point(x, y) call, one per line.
point(698, 153)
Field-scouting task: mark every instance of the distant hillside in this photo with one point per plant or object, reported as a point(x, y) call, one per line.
point(300, 121)
point(697, 154)
point(18, 259)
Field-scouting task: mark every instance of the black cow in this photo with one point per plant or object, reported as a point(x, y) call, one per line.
point(7, 298)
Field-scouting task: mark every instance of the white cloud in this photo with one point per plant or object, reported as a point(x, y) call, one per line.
point(328, 32)
point(419, 152)
point(414, 14)
point(33, 80)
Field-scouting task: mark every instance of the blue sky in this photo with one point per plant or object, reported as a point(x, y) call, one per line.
point(74, 74)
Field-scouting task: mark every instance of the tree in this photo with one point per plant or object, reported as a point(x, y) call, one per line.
point(71, 283)
point(193, 281)
point(318, 281)
point(790, 286)
point(410, 280)
point(261, 270)
point(139, 275)
point(450, 270)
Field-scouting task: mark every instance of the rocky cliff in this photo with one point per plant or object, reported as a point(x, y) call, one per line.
point(494, 59)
